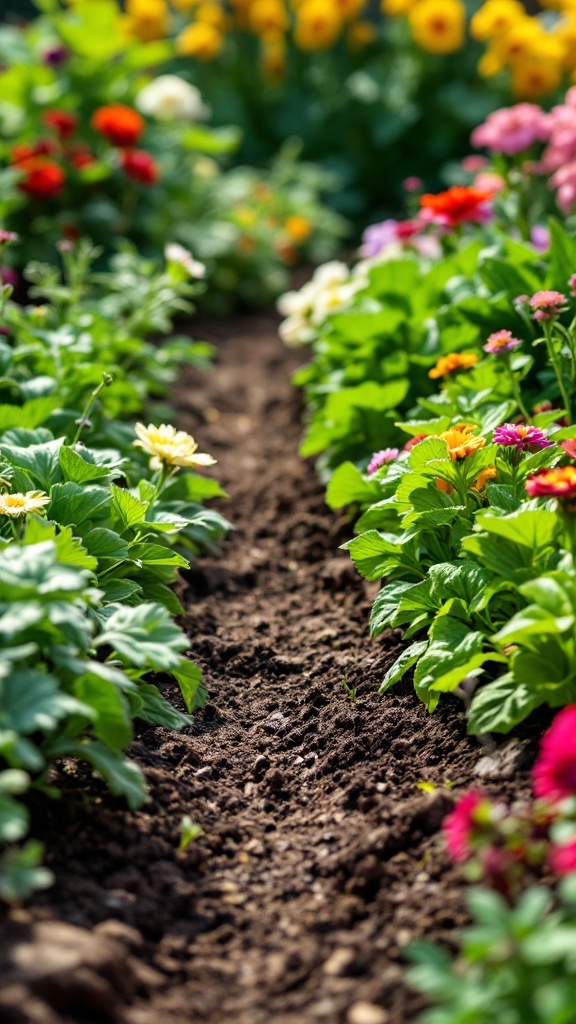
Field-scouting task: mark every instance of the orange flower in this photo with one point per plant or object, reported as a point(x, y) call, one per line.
point(121, 125)
point(453, 362)
point(461, 442)
point(43, 179)
point(456, 205)
point(488, 474)
point(298, 228)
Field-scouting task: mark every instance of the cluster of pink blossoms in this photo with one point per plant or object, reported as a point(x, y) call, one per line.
point(509, 843)
point(512, 130)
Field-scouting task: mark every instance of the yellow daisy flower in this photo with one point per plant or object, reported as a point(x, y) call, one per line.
point(170, 447)
point(18, 504)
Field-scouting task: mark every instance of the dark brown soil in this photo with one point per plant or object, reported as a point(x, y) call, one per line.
point(320, 857)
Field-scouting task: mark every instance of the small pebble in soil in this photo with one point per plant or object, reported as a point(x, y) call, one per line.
point(367, 1013)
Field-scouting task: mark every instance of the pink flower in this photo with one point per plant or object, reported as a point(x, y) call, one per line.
point(554, 774)
point(459, 827)
point(474, 163)
point(413, 183)
point(7, 236)
point(572, 283)
point(569, 447)
point(414, 440)
point(487, 181)
point(381, 458)
point(379, 237)
point(512, 130)
point(531, 439)
point(562, 859)
point(547, 304)
point(501, 341)
point(557, 483)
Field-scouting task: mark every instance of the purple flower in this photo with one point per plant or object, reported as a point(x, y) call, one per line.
point(511, 435)
point(540, 238)
point(501, 341)
point(9, 276)
point(381, 458)
point(547, 304)
point(55, 56)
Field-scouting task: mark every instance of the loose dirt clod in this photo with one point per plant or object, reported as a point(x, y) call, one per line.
point(318, 858)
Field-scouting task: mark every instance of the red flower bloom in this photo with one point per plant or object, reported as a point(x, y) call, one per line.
point(80, 156)
point(460, 825)
point(121, 125)
point(20, 153)
point(569, 447)
point(140, 166)
point(62, 121)
point(414, 440)
point(456, 206)
point(44, 179)
point(553, 483)
point(554, 774)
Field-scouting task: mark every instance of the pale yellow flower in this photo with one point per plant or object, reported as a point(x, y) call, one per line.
point(19, 504)
point(170, 447)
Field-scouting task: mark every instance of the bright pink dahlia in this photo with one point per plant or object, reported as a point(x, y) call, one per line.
point(554, 774)
point(381, 458)
point(511, 435)
point(511, 130)
point(460, 826)
point(501, 341)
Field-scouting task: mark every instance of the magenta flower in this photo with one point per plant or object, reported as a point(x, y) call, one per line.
point(378, 237)
point(55, 56)
point(459, 827)
point(562, 859)
point(381, 458)
point(572, 283)
point(501, 341)
point(413, 183)
point(547, 305)
point(512, 435)
point(554, 774)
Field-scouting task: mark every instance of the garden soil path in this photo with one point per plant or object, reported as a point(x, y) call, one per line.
point(320, 857)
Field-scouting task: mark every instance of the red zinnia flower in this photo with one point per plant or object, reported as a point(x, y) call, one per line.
point(23, 152)
point(140, 166)
point(554, 774)
point(80, 156)
point(553, 483)
point(121, 125)
point(44, 178)
point(62, 121)
point(457, 205)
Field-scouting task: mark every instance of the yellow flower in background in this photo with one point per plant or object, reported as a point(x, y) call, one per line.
point(495, 17)
point(533, 78)
point(244, 216)
point(184, 5)
point(438, 26)
point(490, 64)
point(319, 23)
point(485, 476)
point(211, 13)
point(350, 9)
point(360, 34)
point(268, 16)
point(565, 31)
point(519, 41)
point(18, 504)
point(147, 20)
point(298, 228)
point(200, 40)
point(397, 8)
point(273, 56)
point(170, 447)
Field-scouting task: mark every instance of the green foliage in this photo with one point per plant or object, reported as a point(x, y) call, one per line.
point(515, 964)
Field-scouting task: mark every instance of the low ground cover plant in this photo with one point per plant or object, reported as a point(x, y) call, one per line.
point(97, 516)
point(441, 395)
point(516, 961)
point(95, 146)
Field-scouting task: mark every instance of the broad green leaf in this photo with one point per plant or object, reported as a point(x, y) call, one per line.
point(111, 722)
point(189, 679)
point(374, 554)
point(408, 658)
point(500, 706)
point(348, 485)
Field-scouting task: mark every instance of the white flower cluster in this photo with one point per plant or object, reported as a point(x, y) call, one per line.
point(176, 253)
point(170, 98)
point(331, 289)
